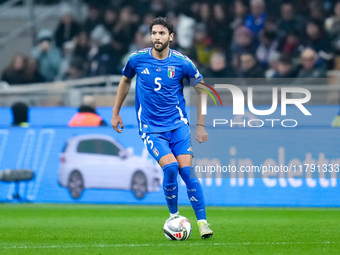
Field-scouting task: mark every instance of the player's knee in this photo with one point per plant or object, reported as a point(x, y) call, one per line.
point(171, 172)
point(187, 176)
point(192, 182)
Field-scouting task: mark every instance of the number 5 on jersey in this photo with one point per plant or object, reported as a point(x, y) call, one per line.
point(157, 79)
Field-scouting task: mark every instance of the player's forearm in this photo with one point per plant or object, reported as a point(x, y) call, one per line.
point(200, 116)
point(200, 106)
point(123, 90)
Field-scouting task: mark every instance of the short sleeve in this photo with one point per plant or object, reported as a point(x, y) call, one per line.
point(128, 69)
point(192, 75)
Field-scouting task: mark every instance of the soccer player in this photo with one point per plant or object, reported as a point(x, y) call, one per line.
point(161, 115)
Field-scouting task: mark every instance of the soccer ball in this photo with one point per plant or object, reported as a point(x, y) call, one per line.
point(177, 228)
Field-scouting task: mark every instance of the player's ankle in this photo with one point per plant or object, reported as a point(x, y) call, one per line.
point(174, 214)
point(200, 222)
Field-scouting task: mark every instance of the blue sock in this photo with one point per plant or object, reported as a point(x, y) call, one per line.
point(195, 192)
point(170, 186)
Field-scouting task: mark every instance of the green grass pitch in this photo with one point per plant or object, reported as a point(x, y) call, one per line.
point(117, 229)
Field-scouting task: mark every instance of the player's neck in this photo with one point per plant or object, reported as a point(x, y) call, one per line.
point(160, 54)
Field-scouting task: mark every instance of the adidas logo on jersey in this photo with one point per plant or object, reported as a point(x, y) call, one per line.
point(146, 71)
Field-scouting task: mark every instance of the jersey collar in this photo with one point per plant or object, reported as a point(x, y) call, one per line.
point(170, 53)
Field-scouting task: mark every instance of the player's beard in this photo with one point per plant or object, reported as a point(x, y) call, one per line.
point(164, 45)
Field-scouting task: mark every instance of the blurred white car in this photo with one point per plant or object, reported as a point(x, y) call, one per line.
point(99, 161)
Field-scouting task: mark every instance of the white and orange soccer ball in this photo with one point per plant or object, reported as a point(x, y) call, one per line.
point(177, 228)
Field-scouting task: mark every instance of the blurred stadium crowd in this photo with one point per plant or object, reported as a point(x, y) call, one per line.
point(236, 38)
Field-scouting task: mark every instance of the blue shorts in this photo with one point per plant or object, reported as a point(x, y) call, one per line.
point(176, 141)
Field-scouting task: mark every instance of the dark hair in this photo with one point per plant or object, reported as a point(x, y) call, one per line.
point(164, 22)
point(270, 35)
point(285, 60)
point(20, 113)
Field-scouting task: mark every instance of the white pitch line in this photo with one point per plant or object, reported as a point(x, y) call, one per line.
point(161, 244)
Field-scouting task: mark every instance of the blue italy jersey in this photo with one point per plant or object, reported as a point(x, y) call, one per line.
point(160, 104)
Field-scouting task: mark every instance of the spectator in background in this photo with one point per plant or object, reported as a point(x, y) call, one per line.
point(220, 31)
point(302, 8)
point(22, 70)
point(48, 56)
point(15, 73)
point(267, 50)
point(240, 12)
point(75, 69)
point(316, 11)
point(142, 7)
point(142, 40)
point(110, 18)
point(144, 27)
point(126, 21)
point(272, 66)
point(194, 10)
point(273, 7)
point(107, 61)
point(20, 114)
point(67, 28)
point(184, 41)
point(158, 7)
point(289, 21)
point(203, 45)
point(218, 67)
point(285, 68)
point(249, 67)
point(270, 25)
point(32, 71)
point(99, 37)
point(318, 40)
point(243, 42)
point(205, 15)
point(124, 30)
point(93, 18)
point(332, 24)
point(65, 63)
point(310, 68)
point(87, 116)
point(290, 45)
point(82, 46)
point(185, 32)
point(100, 4)
point(256, 19)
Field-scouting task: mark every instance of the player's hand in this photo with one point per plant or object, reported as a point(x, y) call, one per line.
point(201, 134)
point(115, 121)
